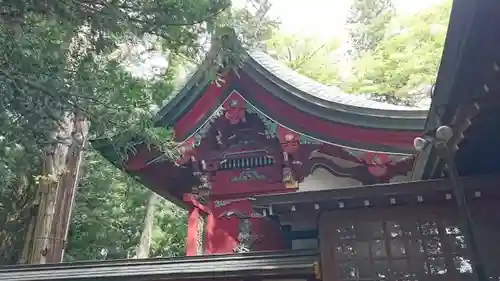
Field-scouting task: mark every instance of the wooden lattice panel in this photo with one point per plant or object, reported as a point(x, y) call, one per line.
point(396, 245)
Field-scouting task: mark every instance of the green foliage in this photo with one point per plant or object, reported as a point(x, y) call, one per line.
point(59, 57)
point(64, 56)
point(16, 195)
point(110, 209)
point(367, 21)
point(395, 59)
point(310, 57)
point(406, 60)
point(251, 23)
point(56, 56)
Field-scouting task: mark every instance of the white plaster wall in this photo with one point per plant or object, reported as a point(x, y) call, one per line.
point(401, 178)
point(322, 179)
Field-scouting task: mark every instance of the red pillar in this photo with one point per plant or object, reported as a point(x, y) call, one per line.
point(193, 220)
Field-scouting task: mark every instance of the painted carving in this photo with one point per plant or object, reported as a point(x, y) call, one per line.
point(332, 164)
point(185, 149)
point(225, 138)
point(377, 163)
point(245, 238)
point(241, 143)
point(248, 175)
point(338, 161)
point(289, 179)
point(368, 169)
point(259, 149)
point(222, 203)
point(211, 166)
point(235, 109)
point(205, 183)
point(289, 140)
point(200, 235)
point(226, 154)
point(218, 137)
point(202, 132)
point(308, 140)
point(269, 124)
point(203, 189)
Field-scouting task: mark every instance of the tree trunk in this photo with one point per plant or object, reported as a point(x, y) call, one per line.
point(66, 194)
point(28, 237)
point(56, 190)
point(145, 240)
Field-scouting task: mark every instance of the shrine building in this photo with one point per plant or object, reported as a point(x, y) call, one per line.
point(288, 179)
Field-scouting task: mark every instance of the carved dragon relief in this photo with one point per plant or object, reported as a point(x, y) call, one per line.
point(246, 238)
point(249, 175)
point(359, 170)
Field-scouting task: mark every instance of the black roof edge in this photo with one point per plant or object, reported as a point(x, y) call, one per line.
point(172, 260)
point(463, 17)
point(351, 117)
point(466, 20)
point(298, 262)
point(163, 116)
point(336, 106)
point(166, 115)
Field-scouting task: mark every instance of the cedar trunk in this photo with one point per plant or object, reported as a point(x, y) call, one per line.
point(145, 240)
point(56, 190)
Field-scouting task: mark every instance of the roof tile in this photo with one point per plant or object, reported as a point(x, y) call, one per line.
point(319, 90)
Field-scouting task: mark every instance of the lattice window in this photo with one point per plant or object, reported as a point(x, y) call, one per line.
point(200, 235)
point(400, 250)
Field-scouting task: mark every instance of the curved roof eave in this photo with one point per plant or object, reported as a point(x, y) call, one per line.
point(318, 98)
point(327, 96)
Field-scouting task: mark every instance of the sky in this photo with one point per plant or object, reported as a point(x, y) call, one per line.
point(325, 18)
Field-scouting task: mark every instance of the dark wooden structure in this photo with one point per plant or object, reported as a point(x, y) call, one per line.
point(403, 231)
point(467, 92)
point(270, 266)
point(290, 179)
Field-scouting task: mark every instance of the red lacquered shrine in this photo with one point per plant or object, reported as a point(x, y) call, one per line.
point(270, 130)
point(285, 178)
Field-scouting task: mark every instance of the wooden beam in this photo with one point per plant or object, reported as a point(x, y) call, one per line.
point(378, 190)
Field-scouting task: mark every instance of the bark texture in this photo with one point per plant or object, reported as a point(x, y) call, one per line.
point(145, 240)
point(56, 190)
